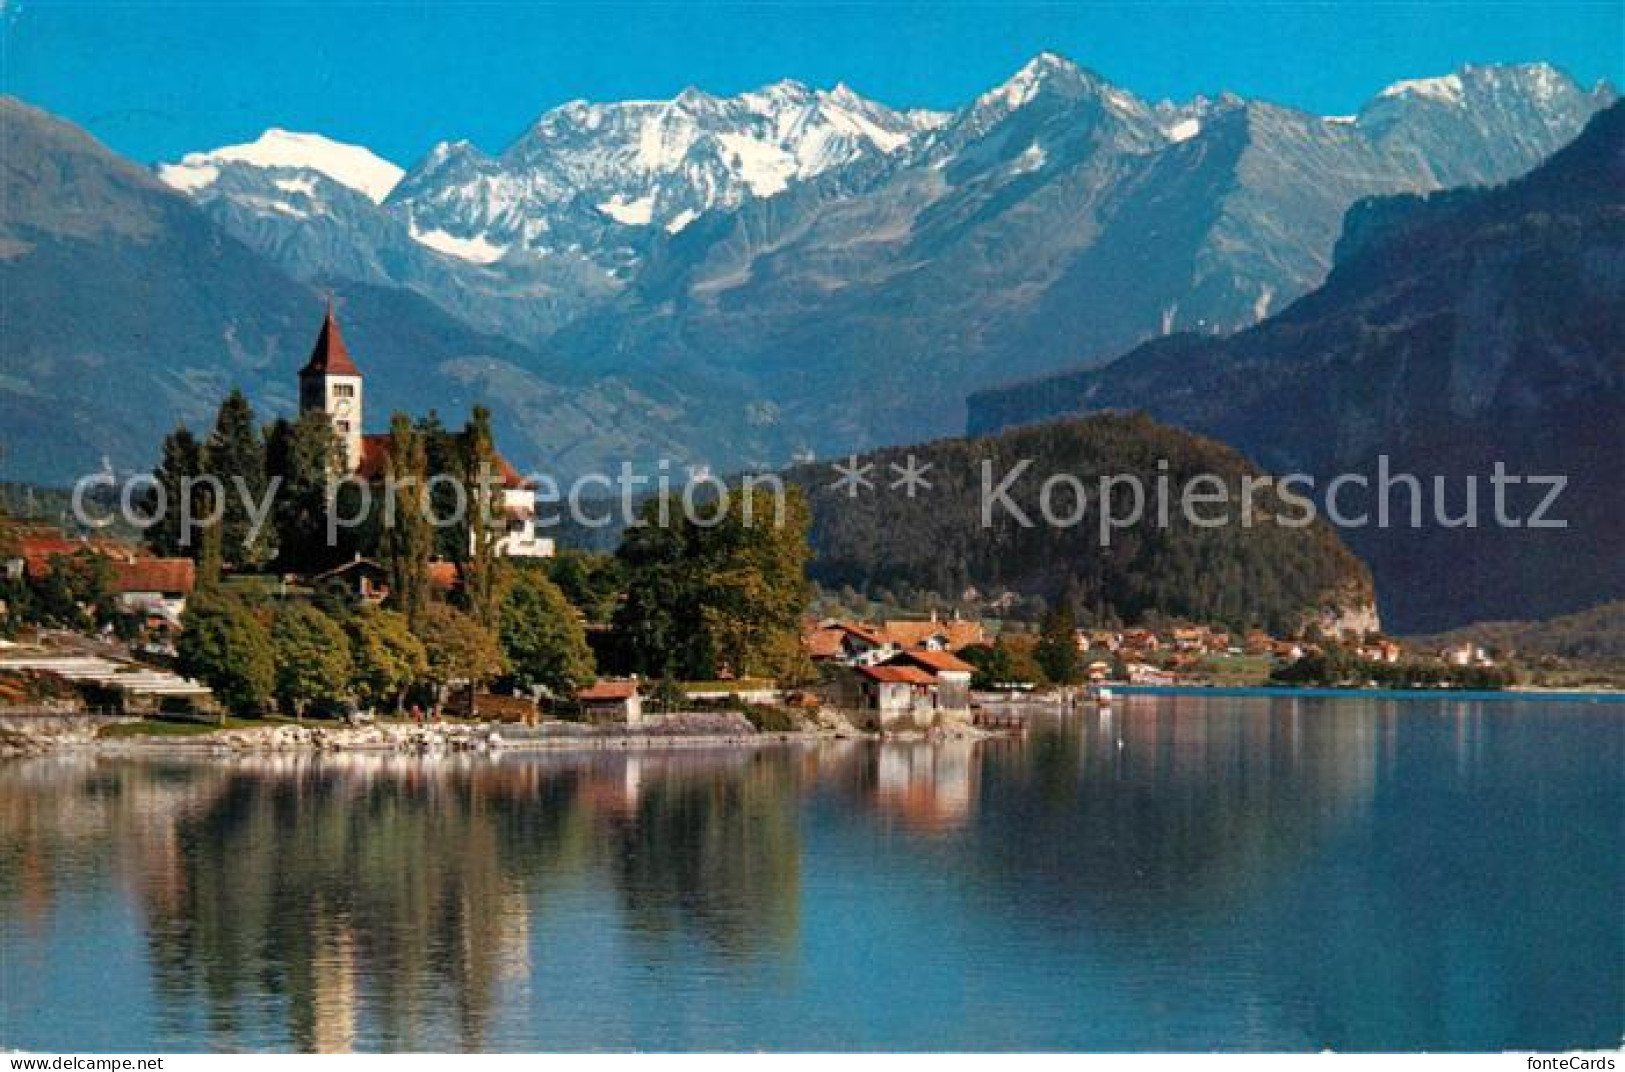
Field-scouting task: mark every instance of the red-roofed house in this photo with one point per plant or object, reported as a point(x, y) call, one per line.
point(154, 586)
point(611, 701)
point(364, 580)
point(846, 642)
point(903, 694)
point(934, 633)
point(892, 697)
point(951, 673)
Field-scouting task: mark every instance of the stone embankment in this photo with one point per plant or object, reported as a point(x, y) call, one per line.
point(679, 730)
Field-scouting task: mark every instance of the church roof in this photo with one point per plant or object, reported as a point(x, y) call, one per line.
point(375, 456)
point(330, 357)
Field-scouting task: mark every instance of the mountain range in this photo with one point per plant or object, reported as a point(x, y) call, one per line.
point(1458, 331)
point(127, 309)
point(768, 251)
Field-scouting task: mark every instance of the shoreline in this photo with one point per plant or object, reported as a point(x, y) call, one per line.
point(1602, 696)
point(444, 739)
point(84, 733)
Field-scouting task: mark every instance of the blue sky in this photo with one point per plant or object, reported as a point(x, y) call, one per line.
point(156, 80)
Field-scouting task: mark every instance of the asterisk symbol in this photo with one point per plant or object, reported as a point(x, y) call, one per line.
point(911, 476)
point(854, 476)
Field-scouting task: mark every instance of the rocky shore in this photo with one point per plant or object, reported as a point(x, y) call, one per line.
point(682, 730)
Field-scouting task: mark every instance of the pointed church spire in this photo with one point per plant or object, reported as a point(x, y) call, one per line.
point(330, 357)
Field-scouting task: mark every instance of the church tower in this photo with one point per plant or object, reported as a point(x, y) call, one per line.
point(331, 383)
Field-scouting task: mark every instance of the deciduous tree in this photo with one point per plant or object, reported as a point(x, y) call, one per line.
point(461, 651)
point(723, 596)
point(545, 644)
point(312, 658)
point(386, 657)
point(226, 646)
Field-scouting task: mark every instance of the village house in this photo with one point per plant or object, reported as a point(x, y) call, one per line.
point(858, 644)
point(846, 644)
point(139, 583)
point(1381, 651)
point(1465, 654)
point(909, 690)
point(1257, 642)
point(892, 697)
point(1146, 674)
point(362, 580)
point(155, 587)
point(952, 674)
point(1099, 640)
point(1141, 640)
point(332, 383)
point(934, 634)
point(1190, 638)
point(1287, 650)
point(612, 702)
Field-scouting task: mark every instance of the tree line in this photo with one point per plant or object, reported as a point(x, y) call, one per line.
point(308, 655)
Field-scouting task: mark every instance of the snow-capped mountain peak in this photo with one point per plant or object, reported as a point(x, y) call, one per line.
point(1044, 69)
point(1446, 89)
point(584, 166)
point(350, 165)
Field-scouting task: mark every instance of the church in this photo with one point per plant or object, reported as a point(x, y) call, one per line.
point(332, 383)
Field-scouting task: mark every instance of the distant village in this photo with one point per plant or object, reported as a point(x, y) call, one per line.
point(496, 625)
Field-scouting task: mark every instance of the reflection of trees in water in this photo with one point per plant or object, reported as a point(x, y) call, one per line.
point(300, 871)
point(388, 900)
point(1148, 806)
point(71, 822)
point(719, 856)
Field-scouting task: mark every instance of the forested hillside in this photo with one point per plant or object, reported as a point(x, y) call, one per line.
point(1269, 574)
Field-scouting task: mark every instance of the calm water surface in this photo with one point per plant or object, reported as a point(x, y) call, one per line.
point(1185, 873)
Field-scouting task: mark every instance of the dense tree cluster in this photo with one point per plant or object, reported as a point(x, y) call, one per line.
point(1265, 574)
point(723, 597)
point(1338, 666)
point(302, 656)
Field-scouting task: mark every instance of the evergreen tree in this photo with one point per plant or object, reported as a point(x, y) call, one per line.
point(443, 457)
point(387, 658)
point(1057, 650)
point(544, 642)
point(312, 658)
point(224, 644)
point(235, 455)
point(406, 537)
point(305, 455)
point(180, 463)
point(210, 539)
